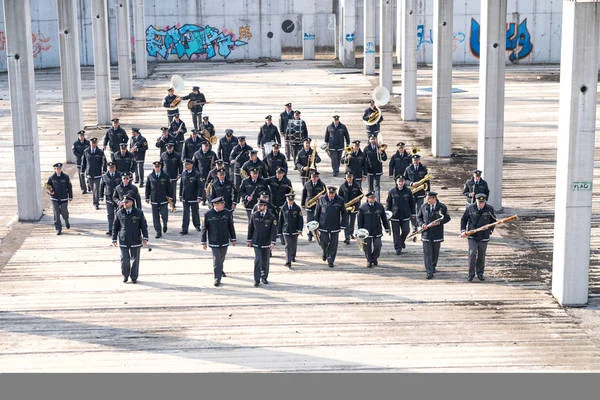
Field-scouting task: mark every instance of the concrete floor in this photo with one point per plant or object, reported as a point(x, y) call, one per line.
point(64, 307)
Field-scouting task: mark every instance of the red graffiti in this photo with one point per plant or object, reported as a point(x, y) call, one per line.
point(2, 41)
point(40, 43)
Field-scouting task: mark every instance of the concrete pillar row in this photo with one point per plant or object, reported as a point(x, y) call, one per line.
point(139, 28)
point(370, 33)
point(408, 100)
point(124, 49)
point(386, 44)
point(101, 61)
point(348, 35)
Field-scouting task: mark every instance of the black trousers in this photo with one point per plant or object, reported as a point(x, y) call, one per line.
point(197, 118)
point(418, 203)
point(249, 213)
point(336, 156)
point(238, 181)
point(130, 262)
point(310, 216)
point(95, 184)
point(477, 249)
point(60, 208)
point(349, 231)
point(82, 183)
point(289, 150)
point(159, 211)
point(219, 254)
point(329, 244)
point(372, 248)
point(261, 263)
point(195, 210)
point(291, 245)
point(431, 252)
point(375, 184)
point(174, 191)
point(400, 230)
point(139, 172)
point(111, 207)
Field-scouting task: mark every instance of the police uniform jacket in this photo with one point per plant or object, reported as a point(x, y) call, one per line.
point(349, 192)
point(399, 162)
point(125, 162)
point(262, 231)
point(291, 220)
point(371, 218)
point(279, 188)
point(356, 163)
point(131, 228)
point(375, 127)
point(93, 164)
point(172, 164)
point(177, 137)
point(336, 136)
point(227, 190)
point(284, 117)
point(61, 187)
point(141, 145)
point(195, 97)
point(303, 157)
point(254, 189)
point(162, 141)
point(204, 162)
point(373, 165)
point(207, 127)
point(258, 164)
point(167, 104)
point(268, 133)
point(78, 149)
point(110, 183)
point(190, 186)
point(212, 175)
point(226, 146)
point(130, 190)
point(218, 228)
point(158, 188)
point(474, 218)
point(471, 187)
point(401, 203)
point(411, 175)
point(114, 137)
point(239, 155)
point(190, 147)
point(331, 214)
point(274, 161)
point(309, 191)
point(270, 208)
point(424, 217)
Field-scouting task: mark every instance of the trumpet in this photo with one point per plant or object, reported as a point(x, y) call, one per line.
point(421, 184)
point(351, 205)
point(313, 201)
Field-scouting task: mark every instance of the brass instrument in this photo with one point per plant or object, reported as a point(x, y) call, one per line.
point(423, 184)
point(381, 148)
point(374, 117)
point(313, 201)
point(208, 188)
point(170, 201)
point(415, 150)
point(325, 147)
point(417, 189)
point(346, 156)
point(211, 139)
point(311, 161)
point(49, 188)
point(243, 173)
point(351, 205)
point(361, 235)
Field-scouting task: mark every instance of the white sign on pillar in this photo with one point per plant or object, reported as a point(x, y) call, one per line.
point(348, 33)
point(308, 36)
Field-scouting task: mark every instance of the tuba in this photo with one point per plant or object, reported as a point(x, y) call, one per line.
point(381, 96)
point(360, 235)
point(422, 184)
point(210, 139)
point(313, 226)
point(415, 150)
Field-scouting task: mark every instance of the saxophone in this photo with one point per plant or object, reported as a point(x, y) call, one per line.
point(313, 201)
point(351, 205)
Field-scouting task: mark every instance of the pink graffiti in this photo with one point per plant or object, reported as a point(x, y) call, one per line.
point(40, 43)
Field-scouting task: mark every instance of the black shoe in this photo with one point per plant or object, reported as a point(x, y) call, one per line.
point(183, 233)
point(470, 278)
point(59, 232)
point(165, 228)
point(369, 265)
point(97, 206)
point(108, 233)
point(429, 276)
point(270, 253)
point(324, 258)
point(136, 182)
point(310, 238)
point(347, 241)
point(294, 259)
point(125, 279)
point(223, 274)
point(217, 282)
point(84, 192)
point(331, 265)
point(480, 277)
point(375, 262)
point(264, 280)
point(403, 245)
point(288, 264)
point(134, 281)
point(67, 224)
point(398, 252)
point(158, 236)
point(434, 270)
point(141, 185)
point(256, 283)
point(198, 229)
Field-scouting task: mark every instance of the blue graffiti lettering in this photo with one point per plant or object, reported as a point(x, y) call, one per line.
point(421, 39)
point(190, 40)
point(350, 37)
point(309, 36)
point(518, 40)
point(370, 48)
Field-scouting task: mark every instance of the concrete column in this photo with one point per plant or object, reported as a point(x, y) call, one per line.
point(408, 101)
point(101, 62)
point(575, 159)
point(308, 36)
point(347, 56)
point(21, 85)
point(139, 29)
point(386, 43)
point(441, 126)
point(70, 72)
point(124, 50)
point(370, 34)
point(491, 97)
point(399, 13)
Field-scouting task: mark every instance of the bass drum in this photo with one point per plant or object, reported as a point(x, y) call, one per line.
point(268, 147)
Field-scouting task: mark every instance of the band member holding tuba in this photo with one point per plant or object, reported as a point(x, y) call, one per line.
point(61, 193)
point(115, 135)
point(310, 194)
point(177, 131)
point(238, 157)
point(355, 162)
point(267, 136)
point(171, 102)
point(138, 145)
point(336, 135)
point(374, 156)
point(110, 180)
point(172, 165)
point(190, 194)
point(401, 203)
point(286, 115)
point(78, 149)
point(158, 193)
point(399, 161)
point(218, 228)
point(226, 145)
point(289, 227)
point(373, 118)
point(191, 145)
point(262, 231)
point(431, 218)
point(131, 228)
point(412, 175)
point(332, 217)
point(93, 166)
point(295, 134)
point(474, 186)
point(196, 101)
point(475, 216)
point(351, 193)
point(371, 216)
point(250, 190)
point(307, 160)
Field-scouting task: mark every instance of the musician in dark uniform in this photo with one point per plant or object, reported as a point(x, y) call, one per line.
point(268, 133)
point(275, 160)
point(250, 190)
point(337, 138)
point(163, 139)
point(114, 136)
point(204, 160)
point(212, 174)
point(303, 161)
point(238, 157)
point(280, 186)
point(124, 160)
point(350, 190)
point(266, 196)
point(158, 193)
point(255, 163)
point(286, 115)
point(177, 131)
point(371, 216)
point(172, 165)
point(223, 187)
point(195, 105)
point(110, 180)
point(374, 158)
point(169, 98)
point(218, 230)
point(311, 189)
point(399, 161)
point(332, 217)
point(93, 166)
point(401, 203)
point(474, 186)
point(127, 188)
point(431, 218)
point(414, 173)
point(78, 148)
point(131, 228)
point(374, 128)
point(289, 227)
point(190, 193)
point(475, 216)
point(61, 193)
point(262, 231)
point(226, 145)
point(191, 145)
point(207, 126)
point(138, 145)
point(356, 163)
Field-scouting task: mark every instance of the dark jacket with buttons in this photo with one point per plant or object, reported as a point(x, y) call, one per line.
point(218, 228)
point(472, 188)
point(114, 137)
point(424, 217)
point(226, 146)
point(258, 164)
point(262, 230)
point(331, 214)
point(204, 162)
point(130, 228)
point(291, 220)
point(130, 190)
point(227, 191)
point(238, 157)
point(274, 161)
point(190, 186)
point(93, 164)
point(371, 218)
point(78, 149)
point(398, 163)
point(303, 158)
point(279, 188)
point(109, 184)
point(474, 218)
point(254, 189)
point(349, 192)
point(61, 187)
point(337, 136)
point(141, 146)
point(158, 188)
point(172, 164)
point(125, 162)
point(356, 163)
point(374, 166)
point(190, 147)
point(411, 176)
point(309, 191)
point(268, 133)
point(401, 203)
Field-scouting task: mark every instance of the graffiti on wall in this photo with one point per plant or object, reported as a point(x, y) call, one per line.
point(40, 43)
point(518, 40)
point(424, 37)
point(193, 41)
